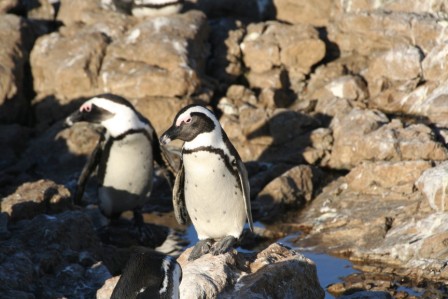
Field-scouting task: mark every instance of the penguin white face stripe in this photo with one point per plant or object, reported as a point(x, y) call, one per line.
point(187, 114)
point(124, 118)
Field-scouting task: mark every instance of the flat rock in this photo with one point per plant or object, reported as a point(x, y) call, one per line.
point(32, 199)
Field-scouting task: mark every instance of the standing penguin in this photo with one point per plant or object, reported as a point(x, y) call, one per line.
point(149, 275)
point(124, 155)
point(211, 187)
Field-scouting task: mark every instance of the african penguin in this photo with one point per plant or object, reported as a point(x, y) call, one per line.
point(149, 274)
point(123, 156)
point(146, 8)
point(211, 187)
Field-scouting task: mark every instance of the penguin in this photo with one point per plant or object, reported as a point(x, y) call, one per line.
point(146, 8)
point(123, 156)
point(211, 187)
point(149, 274)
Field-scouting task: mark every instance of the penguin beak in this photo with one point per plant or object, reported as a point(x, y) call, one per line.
point(169, 135)
point(73, 118)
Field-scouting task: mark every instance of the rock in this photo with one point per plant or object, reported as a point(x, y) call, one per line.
point(42, 254)
point(32, 199)
point(428, 100)
point(292, 189)
point(434, 64)
point(367, 295)
point(402, 63)
point(321, 144)
point(74, 11)
point(395, 6)
point(348, 87)
point(105, 292)
point(151, 107)
point(16, 39)
point(7, 5)
point(297, 47)
point(303, 12)
point(68, 66)
point(239, 276)
point(40, 10)
point(225, 63)
point(371, 140)
point(385, 31)
point(13, 141)
point(386, 177)
point(170, 71)
point(4, 232)
point(433, 184)
point(249, 10)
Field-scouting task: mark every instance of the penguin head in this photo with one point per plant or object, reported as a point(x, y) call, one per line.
point(194, 124)
point(112, 112)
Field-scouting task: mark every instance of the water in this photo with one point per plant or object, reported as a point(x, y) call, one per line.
point(330, 269)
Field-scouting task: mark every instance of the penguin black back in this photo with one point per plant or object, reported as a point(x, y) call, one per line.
point(149, 275)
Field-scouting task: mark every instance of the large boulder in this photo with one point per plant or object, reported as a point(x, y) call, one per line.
point(160, 56)
point(16, 39)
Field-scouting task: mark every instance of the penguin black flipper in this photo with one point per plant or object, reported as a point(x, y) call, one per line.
point(161, 158)
point(92, 163)
point(180, 209)
point(244, 181)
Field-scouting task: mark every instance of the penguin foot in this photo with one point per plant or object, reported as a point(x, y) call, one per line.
point(202, 247)
point(223, 245)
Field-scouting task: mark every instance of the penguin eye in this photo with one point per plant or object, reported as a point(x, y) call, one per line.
point(188, 120)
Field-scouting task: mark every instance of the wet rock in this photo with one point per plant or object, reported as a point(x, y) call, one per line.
point(176, 44)
point(32, 199)
point(234, 275)
point(16, 39)
point(373, 138)
point(303, 12)
point(68, 66)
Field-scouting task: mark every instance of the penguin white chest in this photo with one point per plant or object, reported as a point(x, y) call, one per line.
point(213, 196)
point(127, 174)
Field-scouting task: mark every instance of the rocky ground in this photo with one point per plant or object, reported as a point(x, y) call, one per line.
point(338, 109)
